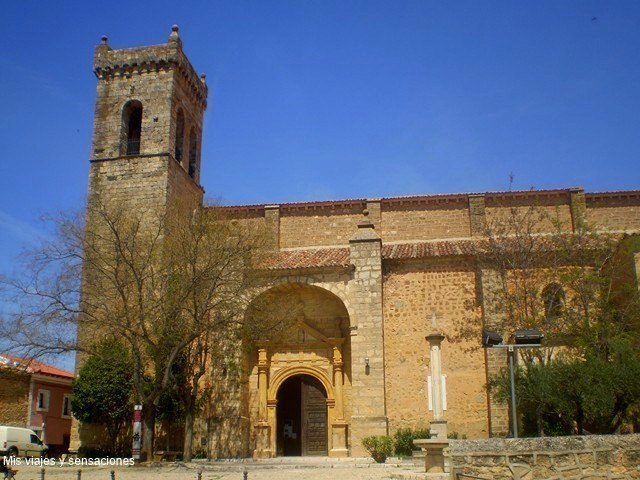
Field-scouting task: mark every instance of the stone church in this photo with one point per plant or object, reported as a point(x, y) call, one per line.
point(374, 276)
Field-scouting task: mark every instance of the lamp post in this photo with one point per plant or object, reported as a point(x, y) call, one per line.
point(526, 338)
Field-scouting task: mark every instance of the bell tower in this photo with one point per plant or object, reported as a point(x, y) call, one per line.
point(147, 131)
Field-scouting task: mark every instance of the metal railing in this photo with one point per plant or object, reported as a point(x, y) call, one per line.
point(132, 146)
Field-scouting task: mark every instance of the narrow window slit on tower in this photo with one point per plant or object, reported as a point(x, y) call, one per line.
point(179, 135)
point(193, 153)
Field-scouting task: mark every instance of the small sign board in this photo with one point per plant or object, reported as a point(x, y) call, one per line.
point(137, 432)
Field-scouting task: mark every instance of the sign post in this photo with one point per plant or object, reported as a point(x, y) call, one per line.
point(137, 432)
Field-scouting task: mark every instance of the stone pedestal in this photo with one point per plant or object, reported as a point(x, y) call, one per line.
point(339, 439)
point(434, 461)
point(263, 433)
point(438, 429)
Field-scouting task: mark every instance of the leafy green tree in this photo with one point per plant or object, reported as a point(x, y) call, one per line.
point(102, 391)
point(577, 395)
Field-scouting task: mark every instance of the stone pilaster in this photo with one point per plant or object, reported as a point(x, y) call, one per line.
point(272, 221)
point(495, 359)
point(374, 213)
point(263, 449)
point(636, 263)
point(477, 219)
point(578, 206)
point(367, 342)
point(339, 425)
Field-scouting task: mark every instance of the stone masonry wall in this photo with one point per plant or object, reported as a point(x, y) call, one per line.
point(181, 187)
point(426, 223)
point(412, 292)
point(150, 88)
point(193, 113)
point(369, 413)
point(140, 182)
point(549, 213)
point(14, 398)
point(576, 458)
point(331, 228)
point(615, 218)
point(432, 218)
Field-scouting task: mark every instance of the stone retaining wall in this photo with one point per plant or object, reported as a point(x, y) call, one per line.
point(558, 458)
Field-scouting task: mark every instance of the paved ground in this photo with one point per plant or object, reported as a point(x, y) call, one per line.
point(319, 470)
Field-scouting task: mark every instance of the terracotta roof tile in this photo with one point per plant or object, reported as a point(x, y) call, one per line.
point(33, 366)
point(311, 258)
point(428, 249)
point(339, 256)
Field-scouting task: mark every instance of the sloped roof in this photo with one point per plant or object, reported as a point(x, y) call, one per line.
point(33, 366)
point(446, 248)
point(321, 257)
point(307, 258)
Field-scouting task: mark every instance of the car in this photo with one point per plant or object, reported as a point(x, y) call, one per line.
point(21, 442)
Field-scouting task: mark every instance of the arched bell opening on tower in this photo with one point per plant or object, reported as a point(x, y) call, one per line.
point(179, 135)
point(193, 153)
point(131, 128)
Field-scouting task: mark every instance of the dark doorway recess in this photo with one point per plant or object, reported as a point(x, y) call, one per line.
point(302, 417)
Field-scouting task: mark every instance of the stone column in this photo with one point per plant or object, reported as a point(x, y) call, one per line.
point(495, 358)
point(367, 340)
point(477, 218)
point(578, 204)
point(438, 424)
point(374, 213)
point(272, 221)
point(636, 262)
point(263, 449)
point(263, 367)
point(339, 425)
point(338, 382)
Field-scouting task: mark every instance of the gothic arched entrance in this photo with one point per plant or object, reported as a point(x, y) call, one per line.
point(301, 417)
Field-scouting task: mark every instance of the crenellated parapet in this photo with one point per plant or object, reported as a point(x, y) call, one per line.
point(109, 63)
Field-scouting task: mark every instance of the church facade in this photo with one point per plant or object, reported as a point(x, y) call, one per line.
point(373, 277)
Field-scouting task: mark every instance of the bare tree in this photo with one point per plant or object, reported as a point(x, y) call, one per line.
point(160, 283)
point(571, 282)
point(568, 282)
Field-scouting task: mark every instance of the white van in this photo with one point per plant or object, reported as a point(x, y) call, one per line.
point(20, 442)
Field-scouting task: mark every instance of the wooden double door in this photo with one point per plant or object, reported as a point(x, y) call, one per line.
point(302, 417)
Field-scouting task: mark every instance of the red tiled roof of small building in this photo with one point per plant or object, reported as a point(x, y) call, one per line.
point(33, 366)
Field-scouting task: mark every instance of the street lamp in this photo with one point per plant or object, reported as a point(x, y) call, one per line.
point(525, 338)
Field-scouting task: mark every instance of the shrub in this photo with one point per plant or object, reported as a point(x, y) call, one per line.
point(403, 440)
point(379, 447)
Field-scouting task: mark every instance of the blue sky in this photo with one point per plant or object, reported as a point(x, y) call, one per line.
point(315, 100)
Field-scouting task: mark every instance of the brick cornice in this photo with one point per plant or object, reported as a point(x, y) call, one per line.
point(387, 203)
